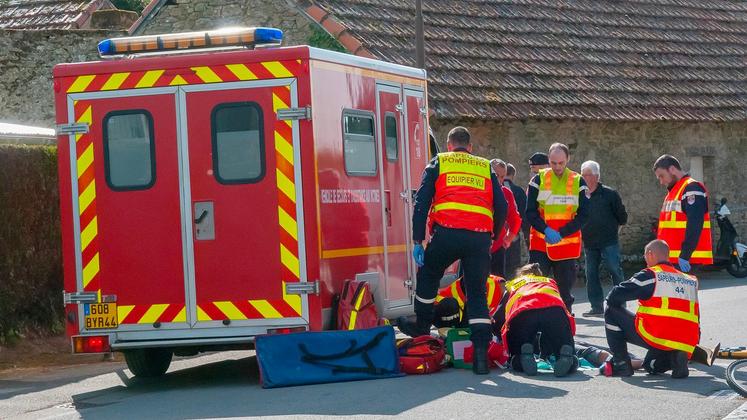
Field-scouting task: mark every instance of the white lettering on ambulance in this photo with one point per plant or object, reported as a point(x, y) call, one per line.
point(340, 196)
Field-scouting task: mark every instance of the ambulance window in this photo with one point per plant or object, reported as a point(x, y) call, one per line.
point(392, 149)
point(360, 146)
point(129, 152)
point(238, 144)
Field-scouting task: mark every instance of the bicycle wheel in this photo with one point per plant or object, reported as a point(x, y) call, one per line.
point(736, 377)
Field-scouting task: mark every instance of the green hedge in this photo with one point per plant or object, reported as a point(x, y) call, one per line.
point(30, 254)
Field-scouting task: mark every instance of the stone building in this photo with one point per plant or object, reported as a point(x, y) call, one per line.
point(50, 14)
point(620, 81)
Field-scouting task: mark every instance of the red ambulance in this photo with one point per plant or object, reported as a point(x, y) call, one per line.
point(209, 196)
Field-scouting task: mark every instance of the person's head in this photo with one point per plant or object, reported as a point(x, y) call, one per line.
point(500, 168)
point(529, 270)
point(668, 170)
point(559, 157)
point(458, 138)
point(590, 173)
point(510, 171)
point(657, 251)
point(446, 313)
point(537, 162)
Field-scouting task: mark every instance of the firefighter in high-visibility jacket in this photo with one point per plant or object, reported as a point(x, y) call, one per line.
point(450, 302)
point(684, 222)
point(531, 305)
point(462, 199)
point(557, 209)
point(667, 322)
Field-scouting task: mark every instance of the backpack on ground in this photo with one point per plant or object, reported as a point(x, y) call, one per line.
point(421, 355)
point(356, 308)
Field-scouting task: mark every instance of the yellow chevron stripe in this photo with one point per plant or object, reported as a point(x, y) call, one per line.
point(181, 316)
point(206, 74)
point(115, 81)
point(152, 314)
point(265, 308)
point(230, 310)
point(288, 223)
point(85, 160)
point(149, 78)
point(90, 232)
point(90, 270)
point(86, 116)
point(284, 147)
point(278, 103)
point(178, 80)
point(241, 71)
point(81, 83)
point(202, 315)
point(277, 69)
point(86, 197)
point(293, 300)
point(286, 185)
point(123, 311)
point(289, 260)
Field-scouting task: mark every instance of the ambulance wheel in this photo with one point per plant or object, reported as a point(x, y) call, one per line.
point(735, 269)
point(148, 363)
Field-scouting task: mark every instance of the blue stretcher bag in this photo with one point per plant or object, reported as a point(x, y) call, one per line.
point(327, 356)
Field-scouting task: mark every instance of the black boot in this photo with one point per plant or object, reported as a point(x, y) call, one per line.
point(528, 363)
point(566, 362)
point(679, 364)
point(480, 359)
point(617, 367)
point(413, 329)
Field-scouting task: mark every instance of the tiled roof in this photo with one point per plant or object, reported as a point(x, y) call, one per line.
point(49, 14)
point(582, 59)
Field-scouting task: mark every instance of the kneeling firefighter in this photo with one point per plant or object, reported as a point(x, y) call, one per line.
point(464, 202)
point(450, 301)
point(667, 322)
point(532, 304)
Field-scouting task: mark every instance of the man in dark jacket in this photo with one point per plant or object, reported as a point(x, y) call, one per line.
point(513, 254)
point(606, 215)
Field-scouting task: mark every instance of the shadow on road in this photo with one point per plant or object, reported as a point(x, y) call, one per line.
point(231, 388)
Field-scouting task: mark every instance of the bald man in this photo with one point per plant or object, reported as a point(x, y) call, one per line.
point(667, 322)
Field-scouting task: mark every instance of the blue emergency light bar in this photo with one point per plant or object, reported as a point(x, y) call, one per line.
point(227, 37)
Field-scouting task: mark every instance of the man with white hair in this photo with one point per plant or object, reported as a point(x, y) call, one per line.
point(600, 235)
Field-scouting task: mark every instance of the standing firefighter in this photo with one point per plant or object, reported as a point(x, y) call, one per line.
point(557, 209)
point(684, 222)
point(463, 200)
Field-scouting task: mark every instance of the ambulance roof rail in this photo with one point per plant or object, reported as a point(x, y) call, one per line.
point(219, 38)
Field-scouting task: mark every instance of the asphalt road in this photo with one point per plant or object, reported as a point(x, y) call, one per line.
point(227, 385)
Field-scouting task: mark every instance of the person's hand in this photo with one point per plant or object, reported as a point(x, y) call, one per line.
point(418, 254)
point(552, 236)
point(507, 241)
point(684, 265)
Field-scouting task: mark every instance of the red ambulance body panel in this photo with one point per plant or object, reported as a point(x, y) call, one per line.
point(210, 197)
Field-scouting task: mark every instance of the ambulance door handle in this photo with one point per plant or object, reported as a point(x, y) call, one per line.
point(201, 218)
point(388, 208)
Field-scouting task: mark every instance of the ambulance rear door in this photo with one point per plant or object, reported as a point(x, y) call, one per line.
point(126, 204)
point(245, 205)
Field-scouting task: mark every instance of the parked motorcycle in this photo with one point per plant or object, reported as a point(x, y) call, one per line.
point(729, 251)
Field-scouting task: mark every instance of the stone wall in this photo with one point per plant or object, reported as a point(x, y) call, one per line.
point(27, 59)
point(193, 15)
point(626, 152)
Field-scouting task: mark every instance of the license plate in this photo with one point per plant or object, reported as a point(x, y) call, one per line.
point(100, 315)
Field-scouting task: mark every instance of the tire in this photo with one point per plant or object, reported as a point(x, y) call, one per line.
point(732, 381)
point(148, 363)
point(734, 268)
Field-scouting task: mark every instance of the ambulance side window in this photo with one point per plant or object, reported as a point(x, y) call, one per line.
point(238, 143)
point(359, 144)
point(129, 150)
point(390, 132)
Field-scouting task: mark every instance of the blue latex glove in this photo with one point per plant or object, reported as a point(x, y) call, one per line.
point(552, 236)
point(684, 265)
point(418, 254)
